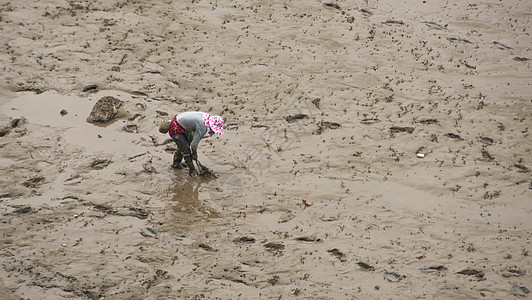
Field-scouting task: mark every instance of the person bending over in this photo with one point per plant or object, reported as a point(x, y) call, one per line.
point(186, 130)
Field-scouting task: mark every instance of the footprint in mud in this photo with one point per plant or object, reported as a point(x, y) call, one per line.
point(131, 128)
point(99, 164)
point(289, 215)
point(393, 277)
point(244, 239)
point(398, 129)
point(33, 182)
point(487, 156)
point(520, 291)
point(274, 246)
point(428, 121)
point(207, 247)
point(340, 255)
point(522, 168)
point(365, 12)
point(333, 5)
point(91, 88)
point(512, 273)
point(365, 266)
point(453, 136)
point(23, 210)
point(394, 23)
point(148, 232)
point(458, 41)
point(472, 272)
point(486, 140)
point(433, 269)
point(296, 117)
point(309, 239)
point(369, 121)
point(436, 26)
point(501, 46)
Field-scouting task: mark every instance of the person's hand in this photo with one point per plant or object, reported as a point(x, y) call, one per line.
point(194, 156)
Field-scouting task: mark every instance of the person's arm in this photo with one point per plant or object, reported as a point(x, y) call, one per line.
point(199, 133)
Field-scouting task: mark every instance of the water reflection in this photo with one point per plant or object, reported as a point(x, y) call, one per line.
point(186, 201)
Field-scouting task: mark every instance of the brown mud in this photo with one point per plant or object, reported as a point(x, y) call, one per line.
point(371, 150)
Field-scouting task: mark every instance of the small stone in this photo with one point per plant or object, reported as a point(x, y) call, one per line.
point(104, 110)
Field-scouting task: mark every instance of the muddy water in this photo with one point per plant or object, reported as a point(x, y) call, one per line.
point(371, 150)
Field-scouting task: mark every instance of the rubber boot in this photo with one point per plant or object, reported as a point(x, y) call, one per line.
point(190, 164)
point(178, 157)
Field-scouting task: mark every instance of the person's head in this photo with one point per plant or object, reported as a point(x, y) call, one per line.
point(215, 125)
point(164, 126)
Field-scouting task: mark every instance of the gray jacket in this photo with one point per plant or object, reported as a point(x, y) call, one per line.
point(193, 121)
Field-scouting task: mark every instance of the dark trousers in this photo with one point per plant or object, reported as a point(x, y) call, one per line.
point(182, 145)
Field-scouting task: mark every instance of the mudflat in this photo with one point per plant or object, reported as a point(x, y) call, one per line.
point(372, 150)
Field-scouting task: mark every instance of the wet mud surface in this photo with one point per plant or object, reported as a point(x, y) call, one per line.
point(371, 150)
